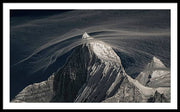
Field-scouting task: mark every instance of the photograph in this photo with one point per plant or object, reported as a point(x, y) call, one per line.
point(90, 55)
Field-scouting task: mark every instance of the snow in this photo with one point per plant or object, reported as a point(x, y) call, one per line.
point(104, 51)
point(157, 63)
point(156, 73)
point(149, 91)
point(146, 91)
point(162, 90)
point(101, 49)
point(159, 73)
point(155, 59)
point(86, 36)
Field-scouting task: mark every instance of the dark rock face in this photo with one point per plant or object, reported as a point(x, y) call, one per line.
point(69, 79)
point(158, 97)
point(101, 84)
point(127, 92)
point(87, 78)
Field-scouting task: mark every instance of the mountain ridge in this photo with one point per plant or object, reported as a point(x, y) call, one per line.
point(94, 73)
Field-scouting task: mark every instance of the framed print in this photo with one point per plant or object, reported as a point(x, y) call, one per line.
point(90, 55)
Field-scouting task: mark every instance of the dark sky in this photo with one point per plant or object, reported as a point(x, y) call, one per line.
point(33, 13)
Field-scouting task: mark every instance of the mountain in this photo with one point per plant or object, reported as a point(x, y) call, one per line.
point(94, 73)
point(37, 92)
point(156, 74)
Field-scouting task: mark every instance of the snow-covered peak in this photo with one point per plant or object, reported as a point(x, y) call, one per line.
point(100, 48)
point(104, 51)
point(156, 74)
point(156, 60)
point(85, 36)
point(157, 63)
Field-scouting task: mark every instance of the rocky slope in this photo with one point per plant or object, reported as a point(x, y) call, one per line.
point(37, 92)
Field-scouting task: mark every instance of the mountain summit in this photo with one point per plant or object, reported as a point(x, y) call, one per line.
point(92, 73)
point(101, 49)
point(85, 36)
point(155, 74)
